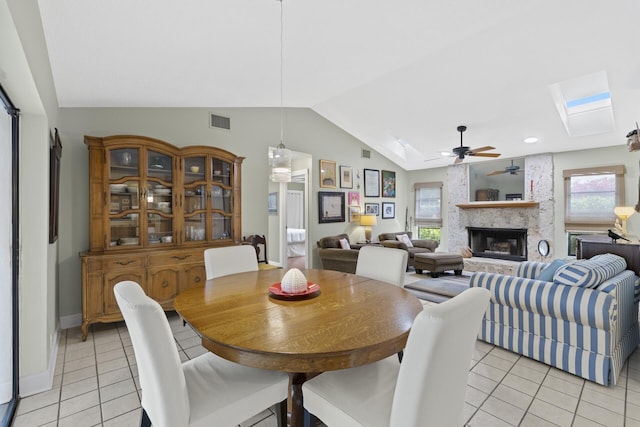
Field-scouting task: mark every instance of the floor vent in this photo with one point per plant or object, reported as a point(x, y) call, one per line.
point(366, 154)
point(220, 122)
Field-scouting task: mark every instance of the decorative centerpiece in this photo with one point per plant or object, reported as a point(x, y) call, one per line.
point(294, 282)
point(294, 285)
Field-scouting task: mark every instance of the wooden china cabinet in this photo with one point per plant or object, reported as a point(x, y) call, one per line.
point(153, 209)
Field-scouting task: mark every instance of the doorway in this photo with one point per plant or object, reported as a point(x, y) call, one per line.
point(296, 220)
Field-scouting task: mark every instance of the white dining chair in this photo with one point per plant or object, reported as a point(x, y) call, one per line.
point(204, 391)
point(384, 264)
point(426, 389)
point(229, 260)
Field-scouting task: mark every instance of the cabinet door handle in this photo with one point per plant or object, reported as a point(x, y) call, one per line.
point(165, 283)
point(197, 279)
point(124, 262)
point(181, 258)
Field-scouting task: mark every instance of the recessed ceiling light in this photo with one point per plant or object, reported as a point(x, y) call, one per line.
point(445, 153)
point(531, 140)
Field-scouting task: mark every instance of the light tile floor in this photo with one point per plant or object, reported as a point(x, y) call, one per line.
point(96, 384)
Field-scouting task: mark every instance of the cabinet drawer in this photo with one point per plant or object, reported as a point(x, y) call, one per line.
point(178, 257)
point(124, 261)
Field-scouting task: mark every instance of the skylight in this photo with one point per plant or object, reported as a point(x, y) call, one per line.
point(584, 104)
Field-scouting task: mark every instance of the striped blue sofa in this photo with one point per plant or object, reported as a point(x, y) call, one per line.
point(584, 322)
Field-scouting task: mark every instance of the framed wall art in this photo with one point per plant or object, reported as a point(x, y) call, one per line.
point(354, 198)
point(388, 184)
point(371, 183)
point(330, 206)
point(55, 155)
point(354, 213)
point(346, 177)
point(328, 174)
point(272, 204)
point(372, 209)
point(388, 210)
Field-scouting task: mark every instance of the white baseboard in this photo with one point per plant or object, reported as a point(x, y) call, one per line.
point(73, 321)
point(41, 381)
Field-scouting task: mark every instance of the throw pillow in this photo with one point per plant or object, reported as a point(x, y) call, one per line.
point(582, 274)
point(344, 244)
point(404, 239)
point(609, 264)
point(549, 271)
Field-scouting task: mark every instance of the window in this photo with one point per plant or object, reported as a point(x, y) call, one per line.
point(428, 204)
point(590, 196)
point(429, 233)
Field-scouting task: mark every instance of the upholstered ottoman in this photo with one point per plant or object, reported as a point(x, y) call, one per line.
point(438, 262)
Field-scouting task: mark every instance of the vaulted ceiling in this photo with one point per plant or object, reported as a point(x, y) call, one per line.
point(399, 75)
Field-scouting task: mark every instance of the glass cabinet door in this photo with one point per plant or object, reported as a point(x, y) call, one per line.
point(140, 204)
point(159, 199)
point(124, 197)
point(221, 209)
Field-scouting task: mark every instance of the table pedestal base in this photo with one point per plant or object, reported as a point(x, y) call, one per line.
point(296, 414)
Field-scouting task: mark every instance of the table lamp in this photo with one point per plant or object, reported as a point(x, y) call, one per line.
point(623, 213)
point(367, 221)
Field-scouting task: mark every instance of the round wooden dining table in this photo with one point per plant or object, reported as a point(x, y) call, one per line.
point(353, 321)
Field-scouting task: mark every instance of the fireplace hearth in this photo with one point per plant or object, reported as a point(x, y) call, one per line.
point(500, 243)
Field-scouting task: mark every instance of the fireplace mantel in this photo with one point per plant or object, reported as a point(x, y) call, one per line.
point(499, 204)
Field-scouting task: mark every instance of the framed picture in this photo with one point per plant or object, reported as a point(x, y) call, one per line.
point(330, 206)
point(513, 196)
point(371, 183)
point(388, 210)
point(327, 174)
point(272, 203)
point(354, 213)
point(55, 155)
point(354, 198)
point(372, 209)
point(346, 177)
point(388, 184)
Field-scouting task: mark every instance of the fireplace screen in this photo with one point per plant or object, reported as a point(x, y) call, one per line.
point(500, 243)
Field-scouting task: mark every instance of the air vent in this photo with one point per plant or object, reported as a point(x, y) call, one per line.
point(366, 154)
point(220, 122)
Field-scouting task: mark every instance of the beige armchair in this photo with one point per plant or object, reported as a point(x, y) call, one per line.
point(419, 245)
point(333, 257)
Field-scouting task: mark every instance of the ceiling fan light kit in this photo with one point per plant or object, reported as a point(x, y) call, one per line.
point(462, 151)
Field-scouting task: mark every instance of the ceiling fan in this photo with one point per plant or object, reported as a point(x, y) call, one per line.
point(511, 169)
point(462, 151)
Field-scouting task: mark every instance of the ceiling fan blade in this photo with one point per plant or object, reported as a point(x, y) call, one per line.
point(484, 154)
point(477, 150)
point(458, 160)
point(496, 173)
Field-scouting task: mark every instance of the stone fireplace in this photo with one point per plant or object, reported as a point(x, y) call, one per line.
point(534, 214)
point(498, 243)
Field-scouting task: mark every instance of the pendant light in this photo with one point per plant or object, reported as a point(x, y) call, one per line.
point(281, 156)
